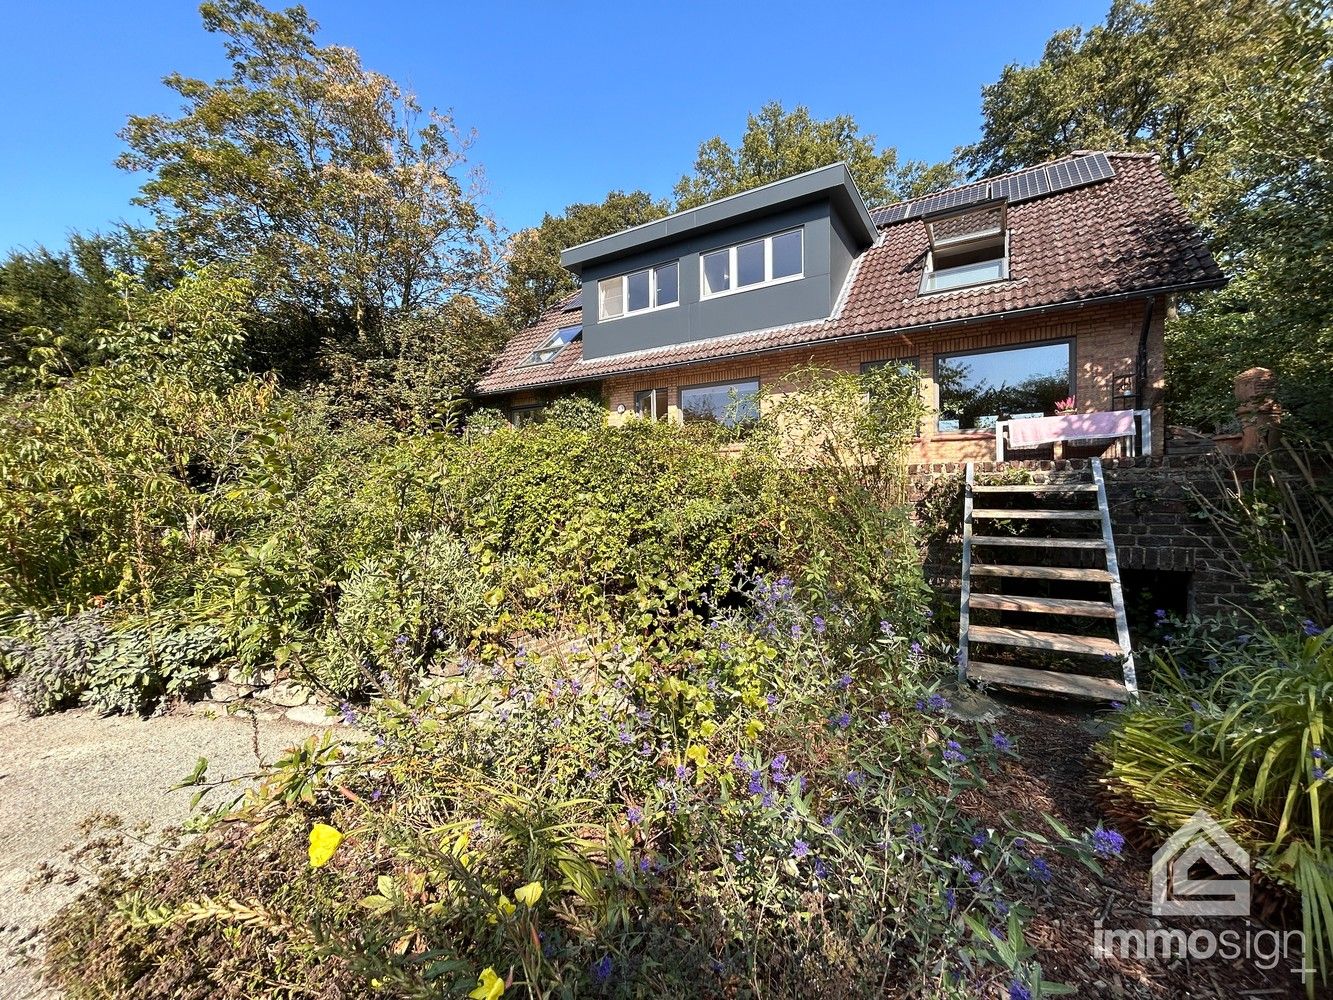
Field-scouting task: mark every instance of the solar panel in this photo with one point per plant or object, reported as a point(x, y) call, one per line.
point(1021, 186)
point(573, 303)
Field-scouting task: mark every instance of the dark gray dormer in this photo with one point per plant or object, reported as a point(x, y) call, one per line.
point(767, 257)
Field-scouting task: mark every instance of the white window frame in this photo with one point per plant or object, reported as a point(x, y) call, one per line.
point(549, 344)
point(652, 292)
point(732, 269)
point(928, 275)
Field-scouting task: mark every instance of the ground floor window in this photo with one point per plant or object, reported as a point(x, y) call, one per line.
point(909, 367)
point(977, 388)
point(651, 404)
point(521, 416)
point(730, 404)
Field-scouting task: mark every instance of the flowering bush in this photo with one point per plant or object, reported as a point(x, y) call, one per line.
point(767, 806)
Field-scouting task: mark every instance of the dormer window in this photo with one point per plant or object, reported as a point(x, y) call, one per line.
point(557, 342)
point(627, 294)
point(750, 265)
point(966, 248)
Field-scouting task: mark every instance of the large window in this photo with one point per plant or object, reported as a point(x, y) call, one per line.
point(750, 265)
point(979, 387)
point(730, 404)
point(626, 294)
point(556, 343)
point(523, 416)
point(966, 248)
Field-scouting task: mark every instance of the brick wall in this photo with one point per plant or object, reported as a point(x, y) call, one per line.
point(1105, 343)
point(1156, 523)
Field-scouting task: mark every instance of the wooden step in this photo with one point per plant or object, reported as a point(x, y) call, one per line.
point(1078, 685)
point(1038, 515)
point(1035, 488)
point(1024, 542)
point(1041, 572)
point(1054, 641)
point(1042, 605)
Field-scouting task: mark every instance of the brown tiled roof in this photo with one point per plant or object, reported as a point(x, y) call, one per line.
point(1124, 236)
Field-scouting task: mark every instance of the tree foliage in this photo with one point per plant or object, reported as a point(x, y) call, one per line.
point(52, 306)
point(779, 143)
point(534, 279)
point(324, 183)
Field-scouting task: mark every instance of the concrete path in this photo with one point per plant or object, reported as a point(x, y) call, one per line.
point(57, 771)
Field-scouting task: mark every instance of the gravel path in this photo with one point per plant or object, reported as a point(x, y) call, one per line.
point(58, 770)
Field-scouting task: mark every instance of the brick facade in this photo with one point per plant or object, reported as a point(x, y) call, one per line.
point(1156, 521)
point(1105, 339)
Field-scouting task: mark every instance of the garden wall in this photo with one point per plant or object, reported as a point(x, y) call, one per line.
point(1168, 552)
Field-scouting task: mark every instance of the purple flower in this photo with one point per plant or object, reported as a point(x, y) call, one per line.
point(886, 628)
point(766, 800)
point(953, 753)
point(1107, 843)
point(682, 772)
point(620, 866)
point(950, 900)
point(1310, 628)
point(1188, 727)
point(348, 713)
point(795, 631)
point(624, 735)
point(1318, 774)
point(772, 700)
point(778, 763)
point(821, 870)
point(844, 682)
point(818, 622)
point(644, 865)
point(799, 849)
point(1001, 742)
point(1017, 991)
point(738, 852)
point(756, 785)
point(883, 717)
point(979, 838)
point(917, 832)
point(635, 814)
point(1317, 753)
point(1159, 614)
point(601, 969)
point(854, 779)
point(375, 795)
point(1040, 870)
point(915, 648)
point(400, 640)
point(842, 720)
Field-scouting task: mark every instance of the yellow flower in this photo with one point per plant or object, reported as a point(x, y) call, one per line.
point(324, 840)
point(489, 986)
point(504, 905)
point(529, 894)
point(753, 728)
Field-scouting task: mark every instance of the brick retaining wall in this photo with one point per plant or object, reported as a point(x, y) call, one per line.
point(1157, 525)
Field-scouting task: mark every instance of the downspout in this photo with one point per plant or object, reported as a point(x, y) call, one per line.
point(1141, 358)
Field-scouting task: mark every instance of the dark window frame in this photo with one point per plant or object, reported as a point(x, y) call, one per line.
point(1070, 342)
point(532, 410)
point(685, 413)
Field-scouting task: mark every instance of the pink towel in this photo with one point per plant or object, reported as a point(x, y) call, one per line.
point(1071, 427)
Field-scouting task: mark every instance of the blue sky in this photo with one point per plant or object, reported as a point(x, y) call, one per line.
point(569, 100)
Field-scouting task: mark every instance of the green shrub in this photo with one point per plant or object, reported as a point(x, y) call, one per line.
point(126, 664)
point(1250, 744)
point(396, 613)
point(575, 413)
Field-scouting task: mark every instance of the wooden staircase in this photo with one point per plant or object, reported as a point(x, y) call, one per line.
point(1043, 537)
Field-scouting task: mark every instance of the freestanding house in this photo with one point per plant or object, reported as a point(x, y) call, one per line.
point(1031, 305)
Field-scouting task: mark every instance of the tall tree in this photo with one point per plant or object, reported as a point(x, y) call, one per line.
point(779, 143)
point(52, 307)
point(323, 182)
point(534, 279)
point(1146, 79)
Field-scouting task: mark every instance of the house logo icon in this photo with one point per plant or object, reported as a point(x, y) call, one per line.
point(1224, 893)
